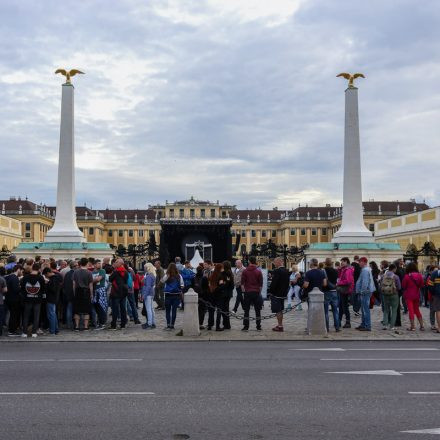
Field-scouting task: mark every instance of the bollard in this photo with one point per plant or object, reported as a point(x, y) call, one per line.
point(191, 314)
point(316, 318)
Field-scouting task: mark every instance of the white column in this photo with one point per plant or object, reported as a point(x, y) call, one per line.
point(65, 228)
point(353, 229)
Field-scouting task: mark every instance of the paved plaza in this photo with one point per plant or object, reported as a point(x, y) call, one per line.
point(295, 323)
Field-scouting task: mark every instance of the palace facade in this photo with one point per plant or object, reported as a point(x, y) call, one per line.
point(297, 227)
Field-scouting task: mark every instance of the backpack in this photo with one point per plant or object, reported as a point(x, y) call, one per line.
point(130, 281)
point(388, 286)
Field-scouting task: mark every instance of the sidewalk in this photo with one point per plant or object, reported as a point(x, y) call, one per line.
point(294, 330)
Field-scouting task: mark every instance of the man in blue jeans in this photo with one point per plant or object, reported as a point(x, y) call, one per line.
point(53, 287)
point(365, 288)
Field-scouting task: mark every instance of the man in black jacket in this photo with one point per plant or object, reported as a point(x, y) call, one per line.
point(278, 290)
point(53, 288)
point(13, 300)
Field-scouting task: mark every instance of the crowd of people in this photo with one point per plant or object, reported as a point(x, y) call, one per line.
point(40, 296)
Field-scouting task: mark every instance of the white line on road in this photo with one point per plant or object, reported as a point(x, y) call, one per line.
point(423, 392)
point(363, 349)
point(79, 393)
point(383, 372)
point(70, 360)
point(316, 349)
point(423, 431)
point(380, 359)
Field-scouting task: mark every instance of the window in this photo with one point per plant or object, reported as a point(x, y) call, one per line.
point(292, 231)
point(243, 248)
point(303, 231)
point(140, 233)
point(171, 213)
point(243, 233)
point(110, 233)
point(28, 227)
point(202, 213)
point(274, 233)
point(212, 213)
point(253, 233)
point(120, 233)
point(160, 214)
point(130, 232)
point(91, 231)
point(324, 231)
point(223, 214)
point(192, 213)
point(181, 213)
point(371, 227)
point(263, 233)
point(27, 234)
point(81, 229)
point(314, 231)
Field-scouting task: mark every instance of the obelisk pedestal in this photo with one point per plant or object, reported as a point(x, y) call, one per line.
point(353, 229)
point(65, 228)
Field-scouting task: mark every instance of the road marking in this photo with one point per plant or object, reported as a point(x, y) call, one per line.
point(383, 372)
point(423, 431)
point(423, 392)
point(380, 359)
point(363, 349)
point(70, 360)
point(375, 372)
point(77, 393)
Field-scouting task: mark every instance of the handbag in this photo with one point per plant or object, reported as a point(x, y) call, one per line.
point(343, 290)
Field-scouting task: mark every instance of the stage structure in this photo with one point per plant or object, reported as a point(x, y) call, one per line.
point(178, 236)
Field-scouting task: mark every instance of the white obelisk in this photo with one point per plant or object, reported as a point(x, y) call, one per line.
point(65, 228)
point(353, 229)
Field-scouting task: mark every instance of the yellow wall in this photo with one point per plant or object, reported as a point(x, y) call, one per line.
point(10, 232)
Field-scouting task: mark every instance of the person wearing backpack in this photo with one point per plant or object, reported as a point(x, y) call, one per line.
point(434, 288)
point(389, 287)
point(411, 284)
point(173, 287)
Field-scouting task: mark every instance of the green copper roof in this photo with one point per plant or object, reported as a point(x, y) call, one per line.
point(352, 246)
point(63, 246)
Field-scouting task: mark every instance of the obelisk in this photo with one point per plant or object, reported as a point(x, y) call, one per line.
point(353, 229)
point(65, 228)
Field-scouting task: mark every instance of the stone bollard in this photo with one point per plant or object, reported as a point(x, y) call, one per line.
point(316, 318)
point(191, 314)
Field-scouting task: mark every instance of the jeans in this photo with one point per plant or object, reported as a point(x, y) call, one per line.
point(172, 302)
point(390, 305)
point(119, 310)
point(69, 315)
point(148, 301)
point(344, 309)
point(34, 310)
point(331, 298)
point(132, 307)
point(222, 312)
point(252, 298)
point(239, 299)
point(51, 310)
point(101, 313)
point(365, 309)
point(14, 315)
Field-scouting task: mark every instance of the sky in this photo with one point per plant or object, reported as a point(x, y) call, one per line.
point(229, 100)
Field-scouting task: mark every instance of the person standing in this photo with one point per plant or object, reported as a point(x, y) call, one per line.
point(331, 295)
point(188, 276)
point(53, 288)
point(178, 263)
point(132, 309)
point(13, 300)
point(228, 282)
point(365, 288)
point(118, 293)
point(158, 289)
point(278, 290)
point(68, 294)
point(345, 287)
point(411, 284)
point(251, 285)
point(314, 277)
point(32, 290)
point(82, 294)
point(147, 290)
point(100, 302)
point(389, 287)
point(173, 287)
point(355, 297)
point(238, 271)
point(3, 290)
point(294, 288)
point(216, 288)
point(434, 287)
point(198, 289)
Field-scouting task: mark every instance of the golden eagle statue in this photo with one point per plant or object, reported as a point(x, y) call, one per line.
point(68, 73)
point(351, 78)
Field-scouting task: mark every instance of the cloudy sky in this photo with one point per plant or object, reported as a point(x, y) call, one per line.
point(230, 100)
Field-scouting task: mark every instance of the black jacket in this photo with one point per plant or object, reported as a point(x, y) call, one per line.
point(280, 284)
point(53, 288)
point(68, 286)
point(13, 285)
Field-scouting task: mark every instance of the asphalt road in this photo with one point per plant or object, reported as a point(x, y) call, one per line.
point(219, 390)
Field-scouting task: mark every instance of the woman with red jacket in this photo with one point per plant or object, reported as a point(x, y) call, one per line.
point(411, 284)
point(345, 287)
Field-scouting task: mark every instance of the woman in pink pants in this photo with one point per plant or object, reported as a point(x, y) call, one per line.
point(411, 284)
